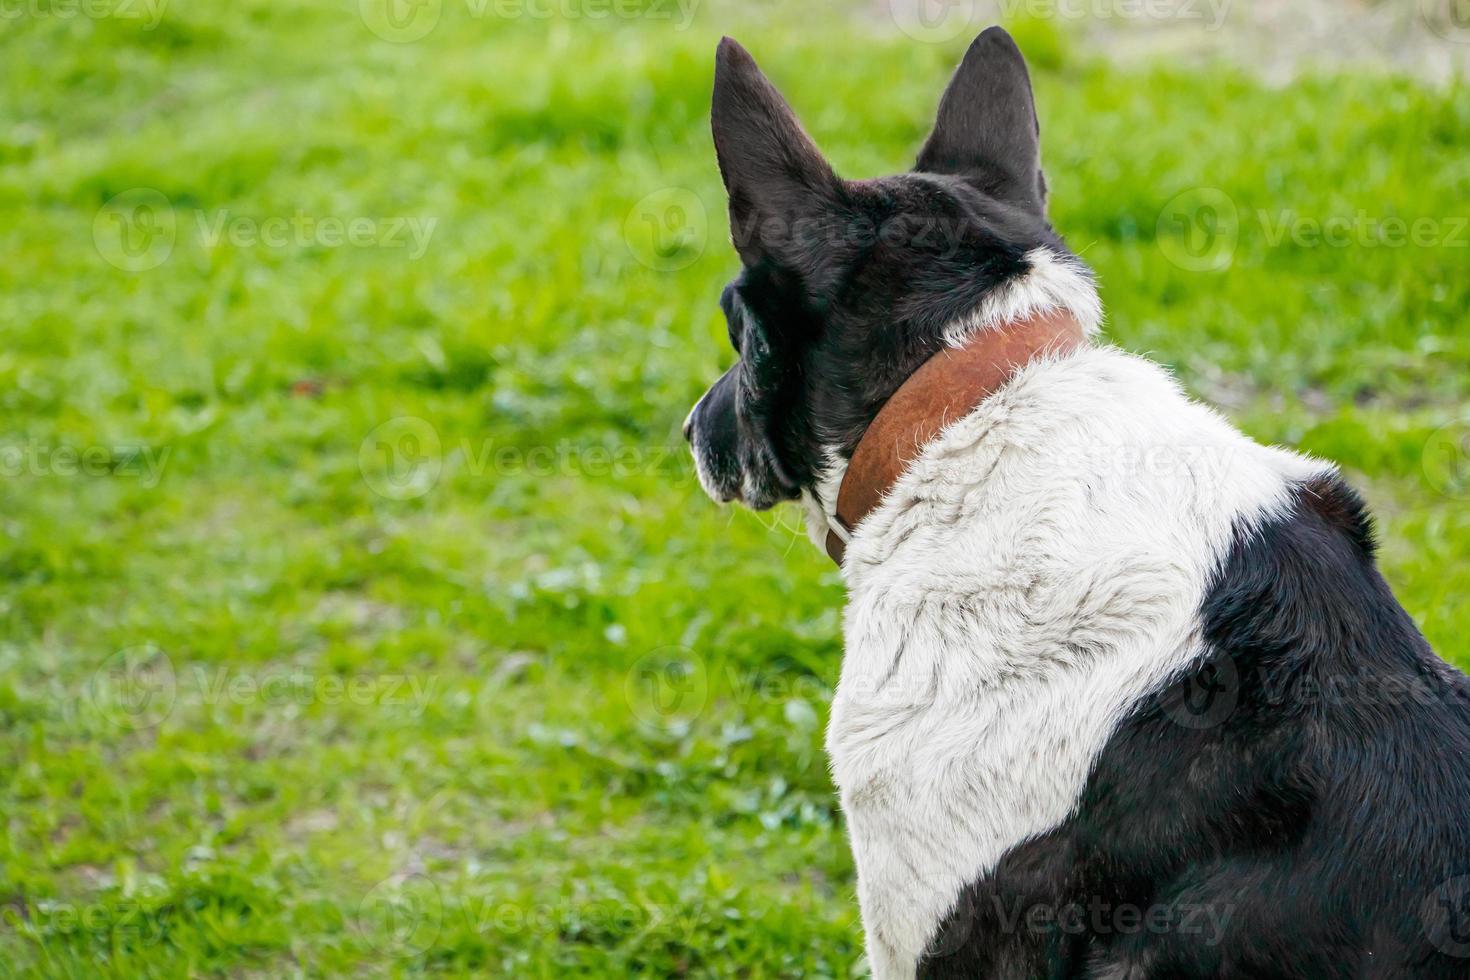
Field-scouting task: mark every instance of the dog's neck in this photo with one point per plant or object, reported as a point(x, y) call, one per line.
point(945, 388)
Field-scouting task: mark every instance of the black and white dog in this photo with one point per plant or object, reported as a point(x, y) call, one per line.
point(1123, 693)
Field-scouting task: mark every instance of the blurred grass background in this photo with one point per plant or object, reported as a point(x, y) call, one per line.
point(362, 615)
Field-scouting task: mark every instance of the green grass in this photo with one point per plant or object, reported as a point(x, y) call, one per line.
point(494, 690)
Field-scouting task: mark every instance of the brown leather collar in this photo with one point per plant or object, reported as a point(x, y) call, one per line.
point(944, 389)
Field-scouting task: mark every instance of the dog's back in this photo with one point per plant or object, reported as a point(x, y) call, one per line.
point(1136, 683)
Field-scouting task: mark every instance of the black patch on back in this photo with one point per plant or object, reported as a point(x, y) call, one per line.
point(1340, 506)
point(1298, 806)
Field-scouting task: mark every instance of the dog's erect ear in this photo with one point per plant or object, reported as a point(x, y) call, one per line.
point(782, 191)
point(987, 129)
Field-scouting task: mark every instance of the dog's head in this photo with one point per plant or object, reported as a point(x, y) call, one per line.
point(848, 286)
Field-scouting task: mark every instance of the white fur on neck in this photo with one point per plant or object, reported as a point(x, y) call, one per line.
point(1053, 282)
point(821, 501)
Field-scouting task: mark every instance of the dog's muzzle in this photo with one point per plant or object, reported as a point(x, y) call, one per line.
point(713, 434)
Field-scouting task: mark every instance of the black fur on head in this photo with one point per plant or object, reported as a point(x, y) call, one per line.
point(847, 286)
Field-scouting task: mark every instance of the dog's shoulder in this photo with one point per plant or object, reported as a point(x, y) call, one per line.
point(1034, 576)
